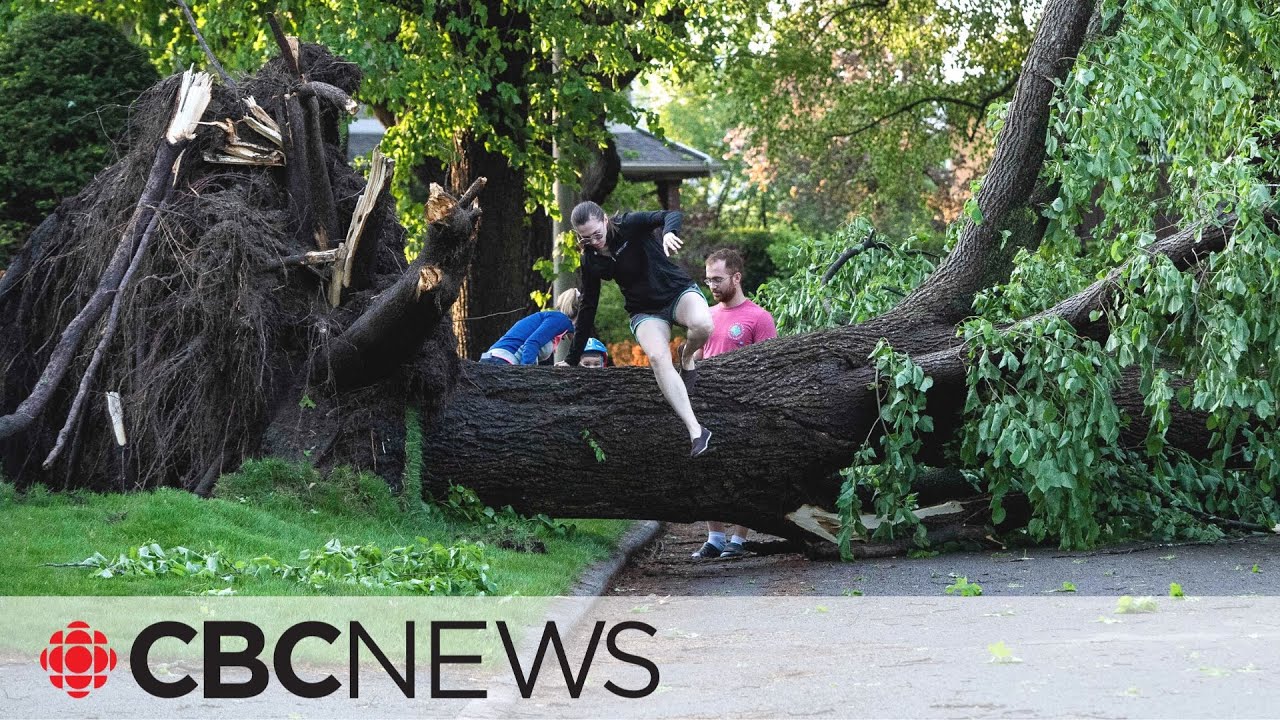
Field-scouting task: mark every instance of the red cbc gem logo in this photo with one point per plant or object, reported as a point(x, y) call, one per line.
point(78, 659)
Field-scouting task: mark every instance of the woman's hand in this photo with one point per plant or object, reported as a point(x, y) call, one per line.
point(563, 363)
point(671, 244)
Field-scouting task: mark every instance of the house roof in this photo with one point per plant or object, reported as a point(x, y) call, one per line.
point(644, 156)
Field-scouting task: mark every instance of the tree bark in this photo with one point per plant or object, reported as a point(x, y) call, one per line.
point(499, 281)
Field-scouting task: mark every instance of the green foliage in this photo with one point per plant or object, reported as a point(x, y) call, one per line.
point(1167, 118)
point(428, 568)
point(505, 525)
point(1038, 281)
point(66, 83)
point(867, 285)
point(595, 446)
point(1169, 121)
point(964, 588)
point(1041, 422)
point(838, 110)
point(1001, 654)
point(888, 473)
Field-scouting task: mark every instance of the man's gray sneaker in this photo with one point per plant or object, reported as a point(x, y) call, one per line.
point(733, 550)
point(706, 552)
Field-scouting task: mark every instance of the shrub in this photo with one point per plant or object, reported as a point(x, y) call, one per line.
point(66, 83)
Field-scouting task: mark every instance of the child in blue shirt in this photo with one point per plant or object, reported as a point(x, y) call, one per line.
point(534, 338)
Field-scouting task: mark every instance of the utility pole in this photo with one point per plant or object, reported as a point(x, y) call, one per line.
point(560, 222)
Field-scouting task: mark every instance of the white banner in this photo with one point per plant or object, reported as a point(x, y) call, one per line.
point(639, 657)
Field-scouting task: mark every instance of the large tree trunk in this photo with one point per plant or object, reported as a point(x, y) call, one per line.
point(782, 419)
point(786, 415)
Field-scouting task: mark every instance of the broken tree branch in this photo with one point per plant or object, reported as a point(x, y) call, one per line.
point(239, 152)
point(213, 60)
point(335, 275)
point(332, 95)
point(868, 243)
point(262, 123)
point(473, 191)
point(288, 46)
point(297, 172)
point(395, 325)
point(315, 257)
point(326, 215)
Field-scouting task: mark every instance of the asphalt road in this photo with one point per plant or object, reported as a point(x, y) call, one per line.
point(1246, 566)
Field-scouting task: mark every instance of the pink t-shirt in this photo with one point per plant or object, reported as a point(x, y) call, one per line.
point(737, 327)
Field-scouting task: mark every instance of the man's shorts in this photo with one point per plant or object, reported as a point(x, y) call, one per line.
point(666, 314)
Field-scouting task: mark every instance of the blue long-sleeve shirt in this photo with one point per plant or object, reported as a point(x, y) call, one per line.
point(525, 339)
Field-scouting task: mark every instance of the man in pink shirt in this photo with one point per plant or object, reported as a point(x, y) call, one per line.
point(738, 323)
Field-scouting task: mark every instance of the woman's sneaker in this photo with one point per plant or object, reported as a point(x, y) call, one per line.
point(707, 552)
point(700, 443)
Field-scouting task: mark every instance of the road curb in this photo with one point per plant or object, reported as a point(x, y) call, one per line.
point(595, 580)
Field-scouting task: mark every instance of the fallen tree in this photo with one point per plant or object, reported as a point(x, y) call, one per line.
point(245, 332)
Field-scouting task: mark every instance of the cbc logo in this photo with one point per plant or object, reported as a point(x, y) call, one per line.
point(78, 659)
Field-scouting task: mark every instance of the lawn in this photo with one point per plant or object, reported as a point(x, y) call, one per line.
point(272, 508)
point(42, 527)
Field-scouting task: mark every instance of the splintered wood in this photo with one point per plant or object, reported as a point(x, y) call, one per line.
point(335, 278)
point(115, 411)
point(439, 204)
point(238, 151)
point(379, 174)
point(429, 277)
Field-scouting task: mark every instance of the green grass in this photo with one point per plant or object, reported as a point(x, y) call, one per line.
point(268, 508)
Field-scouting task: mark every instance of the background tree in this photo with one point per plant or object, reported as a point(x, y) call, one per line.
point(836, 109)
point(66, 83)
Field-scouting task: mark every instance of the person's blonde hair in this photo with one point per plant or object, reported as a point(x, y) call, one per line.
point(569, 302)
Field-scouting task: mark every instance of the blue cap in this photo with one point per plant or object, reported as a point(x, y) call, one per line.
point(594, 345)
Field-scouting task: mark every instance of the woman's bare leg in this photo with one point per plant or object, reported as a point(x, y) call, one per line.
point(654, 337)
point(692, 313)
